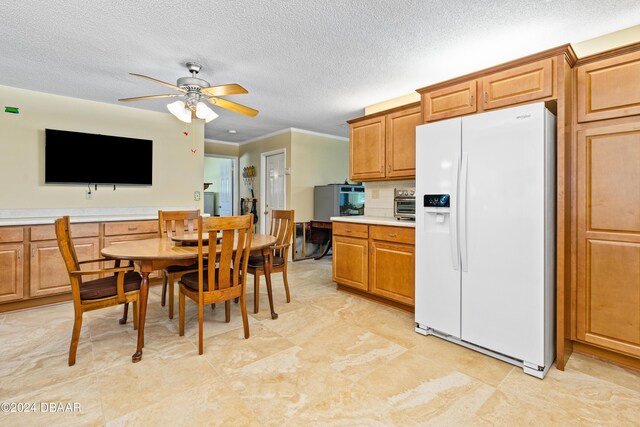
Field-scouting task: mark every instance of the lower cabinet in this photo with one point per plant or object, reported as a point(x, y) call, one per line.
point(379, 260)
point(11, 271)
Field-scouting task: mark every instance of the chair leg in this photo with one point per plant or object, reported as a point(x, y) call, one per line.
point(286, 282)
point(75, 337)
point(256, 292)
point(200, 325)
point(125, 313)
point(135, 315)
point(227, 311)
point(243, 310)
point(213, 306)
point(163, 299)
point(181, 313)
point(171, 298)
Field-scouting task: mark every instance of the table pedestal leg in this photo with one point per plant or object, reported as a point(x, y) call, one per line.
point(266, 256)
point(144, 295)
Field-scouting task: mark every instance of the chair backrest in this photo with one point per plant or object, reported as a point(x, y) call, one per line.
point(235, 245)
point(68, 251)
point(282, 228)
point(174, 223)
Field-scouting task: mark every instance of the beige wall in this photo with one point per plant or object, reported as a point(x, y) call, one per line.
point(177, 173)
point(212, 167)
point(608, 41)
point(315, 160)
point(392, 103)
point(220, 148)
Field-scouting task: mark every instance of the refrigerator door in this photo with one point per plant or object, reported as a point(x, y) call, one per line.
point(504, 235)
point(437, 276)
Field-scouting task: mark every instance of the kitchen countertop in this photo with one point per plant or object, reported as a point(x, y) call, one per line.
point(10, 217)
point(374, 220)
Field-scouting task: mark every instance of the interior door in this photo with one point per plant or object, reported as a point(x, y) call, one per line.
point(225, 197)
point(502, 231)
point(274, 179)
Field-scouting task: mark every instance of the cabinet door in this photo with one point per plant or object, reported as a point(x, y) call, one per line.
point(367, 149)
point(11, 271)
point(608, 251)
point(451, 101)
point(49, 275)
point(517, 85)
point(350, 262)
point(401, 142)
point(392, 272)
point(609, 88)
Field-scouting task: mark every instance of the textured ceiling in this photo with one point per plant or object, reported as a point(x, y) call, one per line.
point(306, 64)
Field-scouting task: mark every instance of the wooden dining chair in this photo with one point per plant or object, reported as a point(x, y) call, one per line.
point(122, 285)
point(219, 278)
point(175, 223)
point(282, 228)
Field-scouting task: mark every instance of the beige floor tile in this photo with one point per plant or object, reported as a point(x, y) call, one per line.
point(301, 325)
point(211, 404)
point(132, 386)
point(351, 350)
point(229, 351)
point(605, 371)
point(278, 387)
point(487, 369)
point(425, 391)
point(56, 405)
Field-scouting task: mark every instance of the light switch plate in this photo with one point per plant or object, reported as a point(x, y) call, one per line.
point(196, 196)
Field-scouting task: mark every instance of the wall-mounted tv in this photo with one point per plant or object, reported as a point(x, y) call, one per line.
point(85, 158)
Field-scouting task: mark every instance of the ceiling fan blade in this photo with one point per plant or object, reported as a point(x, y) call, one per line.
point(238, 108)
point(222, 90)
point(160, 81)
point(140, 98)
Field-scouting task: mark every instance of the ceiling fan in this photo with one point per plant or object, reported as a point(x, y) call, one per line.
point(195, 91)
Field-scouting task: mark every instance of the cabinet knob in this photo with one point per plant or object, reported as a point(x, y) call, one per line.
point(33, 252)
point(19, 254)
point(392, 234)
point(485, 96)
point(132, 228)
point(348, 231)
point(470, 99)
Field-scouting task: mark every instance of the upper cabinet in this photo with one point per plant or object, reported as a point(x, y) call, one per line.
point(525, 80)
point(383, 146)
point(609, 88)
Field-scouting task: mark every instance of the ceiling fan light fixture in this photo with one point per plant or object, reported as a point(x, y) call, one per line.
point(205, 113)
point(179, 110)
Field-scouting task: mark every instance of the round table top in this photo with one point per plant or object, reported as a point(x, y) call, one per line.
point(165, 248)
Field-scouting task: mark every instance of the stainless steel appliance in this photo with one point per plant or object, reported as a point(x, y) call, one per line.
point(404, 203)
point(337, 200)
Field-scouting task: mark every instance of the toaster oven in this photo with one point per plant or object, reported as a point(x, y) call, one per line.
point(404, 203)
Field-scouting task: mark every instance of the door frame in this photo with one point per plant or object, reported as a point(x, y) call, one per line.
point(235, 201)
point(263, 185)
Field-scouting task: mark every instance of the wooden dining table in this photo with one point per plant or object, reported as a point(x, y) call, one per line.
point(158, 253)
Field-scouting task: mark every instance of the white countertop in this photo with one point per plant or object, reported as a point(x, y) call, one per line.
point(48, 216)
point(374, 220)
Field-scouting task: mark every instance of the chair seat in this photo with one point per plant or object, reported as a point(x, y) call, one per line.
point(107, 287)
point(190, 280)
point(257, 261)
point(180, 268)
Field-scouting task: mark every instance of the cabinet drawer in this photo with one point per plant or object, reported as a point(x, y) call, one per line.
point(130, 227)
point(517, 85)
point(11, 234)
point(393, 234)
point(350, 229)
point(610, 88)
point(48, 232)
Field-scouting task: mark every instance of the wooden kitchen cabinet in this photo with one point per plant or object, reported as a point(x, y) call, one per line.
point(382, 146)
point(11, 271)
point(401, 142)
point(367, 149)
point(392, 263)
point(451, 101)
point(608, 256)
point(518, 85)
point(609, 88)
point(350, 261)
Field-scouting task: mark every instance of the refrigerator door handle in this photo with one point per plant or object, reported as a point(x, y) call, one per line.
point(453, 221)
point(462, 205)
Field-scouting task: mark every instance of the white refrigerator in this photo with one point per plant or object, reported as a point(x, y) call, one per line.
point(485, 234)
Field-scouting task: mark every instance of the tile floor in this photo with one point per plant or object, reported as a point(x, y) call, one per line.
point(330, 359)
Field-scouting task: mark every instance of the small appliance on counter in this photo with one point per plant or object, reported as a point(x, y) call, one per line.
point(404, 204)
point(337, 200)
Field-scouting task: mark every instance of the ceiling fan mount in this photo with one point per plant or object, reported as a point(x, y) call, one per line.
point(196, 90)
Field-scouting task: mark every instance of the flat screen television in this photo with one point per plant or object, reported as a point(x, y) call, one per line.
point(85, 158)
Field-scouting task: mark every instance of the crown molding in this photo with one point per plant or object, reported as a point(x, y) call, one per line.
point(215, 141)
point(291, 130)
point(324, 135)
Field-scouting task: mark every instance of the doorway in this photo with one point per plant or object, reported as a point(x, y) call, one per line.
point(221, 198)
point(273, 192)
